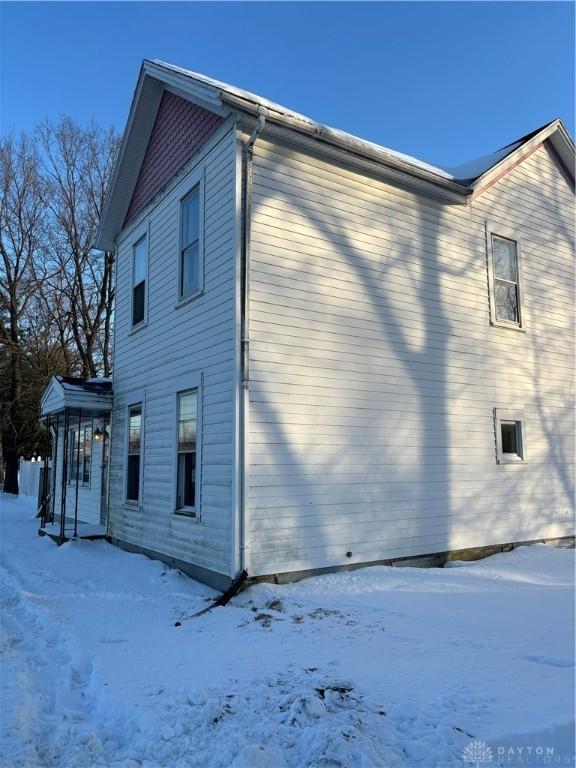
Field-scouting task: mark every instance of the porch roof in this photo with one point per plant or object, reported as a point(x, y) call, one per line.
point(66, 393)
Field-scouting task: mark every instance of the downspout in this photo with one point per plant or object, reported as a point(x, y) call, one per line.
point(115, 279)
point(247, 163)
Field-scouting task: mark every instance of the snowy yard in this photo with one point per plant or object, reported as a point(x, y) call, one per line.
point(377, 667)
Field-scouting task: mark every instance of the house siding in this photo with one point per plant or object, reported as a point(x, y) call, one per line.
point(197, 337)
point(375, 371)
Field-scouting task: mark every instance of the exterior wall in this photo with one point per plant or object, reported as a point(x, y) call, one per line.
point(375, 371)
point(180, 339)
point(180, 130)
point(89, 496)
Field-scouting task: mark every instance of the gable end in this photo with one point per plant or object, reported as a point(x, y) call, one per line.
point(566, 172)
point(180, 130)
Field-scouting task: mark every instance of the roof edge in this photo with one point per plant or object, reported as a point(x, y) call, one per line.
point(125, 164)
point(555, 132)
point(78, 394)
point(345, 141)
point(52, 381)
point(239, 100)
point(156, 76)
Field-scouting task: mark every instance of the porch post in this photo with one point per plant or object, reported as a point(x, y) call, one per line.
point(45, 476)
point(77, 473)
point(54, 471)
point(64, 476)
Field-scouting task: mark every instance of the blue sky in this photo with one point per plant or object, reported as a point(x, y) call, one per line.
point(444, 81)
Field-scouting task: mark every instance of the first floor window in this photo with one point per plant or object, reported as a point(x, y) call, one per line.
point(510, 436)
point(80, 458)
point(505, 277)
point(186, 489)
point(134, 450)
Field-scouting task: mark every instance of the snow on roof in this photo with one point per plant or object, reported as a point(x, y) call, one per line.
point(75, 394)
point(456, 183)
point(326, 130)
point(96, 384)
point(462, 174)
point(471, 170)
point(100, 380)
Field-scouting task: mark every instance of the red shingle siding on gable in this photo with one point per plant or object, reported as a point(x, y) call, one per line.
point(180, 130)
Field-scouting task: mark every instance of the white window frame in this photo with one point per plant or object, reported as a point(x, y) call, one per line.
point(196, 180)
point(186, 383)
point(503, 416)
point(496, 230)
point(137, 397)
point(143, 231)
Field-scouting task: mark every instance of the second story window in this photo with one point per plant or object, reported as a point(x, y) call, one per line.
point(506, 294)
point(190, 267)
point(504, 270)
point(139, 269)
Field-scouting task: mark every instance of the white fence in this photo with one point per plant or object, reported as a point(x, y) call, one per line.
point(29, 477)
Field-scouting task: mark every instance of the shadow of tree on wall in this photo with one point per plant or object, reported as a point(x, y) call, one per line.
point(414, 444)
point(545, 485)
point(420, 415)
point(557, 419)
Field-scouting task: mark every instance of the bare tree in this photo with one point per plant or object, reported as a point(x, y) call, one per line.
point(77, 165)
point(56, 291)
point(22, 224)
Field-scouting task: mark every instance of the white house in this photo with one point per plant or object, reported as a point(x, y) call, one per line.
point(328, 353)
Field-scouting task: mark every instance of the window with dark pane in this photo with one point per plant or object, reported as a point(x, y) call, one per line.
point(187, 433)
point(509, 432)
point(134, 448)
point(86, 454)
point(190, 243)
point(139, 281)
point(73, 455)
point(80, 454)
point(505, 260)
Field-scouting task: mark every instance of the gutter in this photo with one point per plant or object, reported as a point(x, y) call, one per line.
point(246, 216)
point(340, 140)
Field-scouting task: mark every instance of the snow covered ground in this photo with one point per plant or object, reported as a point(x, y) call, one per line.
point(469, 665)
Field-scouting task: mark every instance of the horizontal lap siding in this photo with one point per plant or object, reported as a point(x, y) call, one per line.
point(196, 337)
point(374, 369)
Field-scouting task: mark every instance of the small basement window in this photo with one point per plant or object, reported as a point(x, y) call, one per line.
point(509, 432)
point(510, 436)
